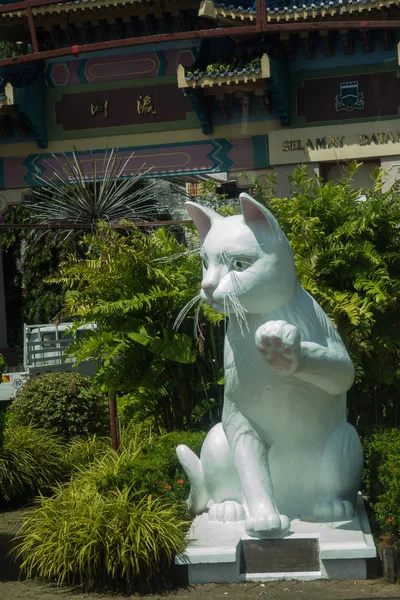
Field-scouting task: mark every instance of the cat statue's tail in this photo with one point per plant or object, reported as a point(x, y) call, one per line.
point(213, 477)
point(199, 496)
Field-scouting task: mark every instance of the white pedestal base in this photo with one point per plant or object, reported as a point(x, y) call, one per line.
point(216, 553)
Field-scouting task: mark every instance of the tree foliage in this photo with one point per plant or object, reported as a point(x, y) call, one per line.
point(133, 285)
point(346, 244)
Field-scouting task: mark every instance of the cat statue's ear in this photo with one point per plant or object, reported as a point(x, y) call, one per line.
point(254, 212)
point(202, 216)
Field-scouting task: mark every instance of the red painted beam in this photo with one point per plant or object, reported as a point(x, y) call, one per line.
point(203, 33)
point(138, 41)
point(32, 30)
point(17, 6)
point(259, 7)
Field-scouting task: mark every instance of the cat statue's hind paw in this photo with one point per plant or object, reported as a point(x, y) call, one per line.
point(264, 526)
point(226, 512)
point(333, 510)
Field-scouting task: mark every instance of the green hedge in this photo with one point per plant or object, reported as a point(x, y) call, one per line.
point(381, 479)
point(63, 402)
point(155, 469)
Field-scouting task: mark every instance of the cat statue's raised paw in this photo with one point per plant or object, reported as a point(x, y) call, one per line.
point(284, 448)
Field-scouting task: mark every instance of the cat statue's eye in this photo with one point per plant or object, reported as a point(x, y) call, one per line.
point(238, 265)
point(205, 261)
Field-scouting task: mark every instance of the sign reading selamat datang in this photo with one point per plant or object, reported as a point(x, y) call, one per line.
point(355, 141)
point(324, 143)
point(119, 107)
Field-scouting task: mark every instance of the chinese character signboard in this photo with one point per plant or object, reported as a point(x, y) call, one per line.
point(122, 107)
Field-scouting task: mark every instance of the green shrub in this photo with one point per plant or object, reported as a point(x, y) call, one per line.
point(382, 479)
point(154, 468)
point(63, 402)
point(31, 460)
point(98, 535)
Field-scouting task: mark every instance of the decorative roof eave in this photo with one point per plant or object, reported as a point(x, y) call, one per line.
point(82, 6)
point(228, 80)
point(230, 16)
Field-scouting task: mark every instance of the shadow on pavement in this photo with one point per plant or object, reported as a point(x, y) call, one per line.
point(9, 568)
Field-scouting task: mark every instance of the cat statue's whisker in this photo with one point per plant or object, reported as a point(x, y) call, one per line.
point(179, 319)
point(236, 283)
point(172, 257)
point(226, 313)
point(197, 330)
point(239, 312)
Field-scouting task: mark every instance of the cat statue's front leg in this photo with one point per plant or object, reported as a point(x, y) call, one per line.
point(250, 457)
point(328, 365)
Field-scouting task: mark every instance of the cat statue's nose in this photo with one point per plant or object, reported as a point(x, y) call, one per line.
point(208, 288)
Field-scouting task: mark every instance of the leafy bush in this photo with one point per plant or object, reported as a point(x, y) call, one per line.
point(155, 469)
point(31, 460)
point(63, 402)
point(103, 535)
point(382, 479)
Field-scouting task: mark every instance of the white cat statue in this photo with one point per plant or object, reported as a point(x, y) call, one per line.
point(284, 449)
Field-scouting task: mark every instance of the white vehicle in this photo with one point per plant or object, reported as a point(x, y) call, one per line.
point(44, 347)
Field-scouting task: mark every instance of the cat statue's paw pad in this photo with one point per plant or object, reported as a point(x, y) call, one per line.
point(334, 510)
point(267, 525)
point(279, 343)
point(226, 512)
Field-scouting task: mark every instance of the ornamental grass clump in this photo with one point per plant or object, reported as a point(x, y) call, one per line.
point(101, 536)
point(81, 452)
point(83, 536)
point(31, 460)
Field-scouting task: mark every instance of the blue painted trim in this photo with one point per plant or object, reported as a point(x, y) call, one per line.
point(2, 181)
point(33, 113)
point(31, 165)
point(218, 155)
point(81, 71)
point(260, 152)
point(47, 76)
point(163, 64)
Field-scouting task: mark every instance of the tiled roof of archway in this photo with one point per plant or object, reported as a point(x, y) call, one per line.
point(295, 9)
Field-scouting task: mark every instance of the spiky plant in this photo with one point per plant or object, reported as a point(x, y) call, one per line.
point(73, 194)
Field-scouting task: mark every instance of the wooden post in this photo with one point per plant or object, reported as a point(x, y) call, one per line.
point(32, 30)
point(389, 564)
point(112, 402)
